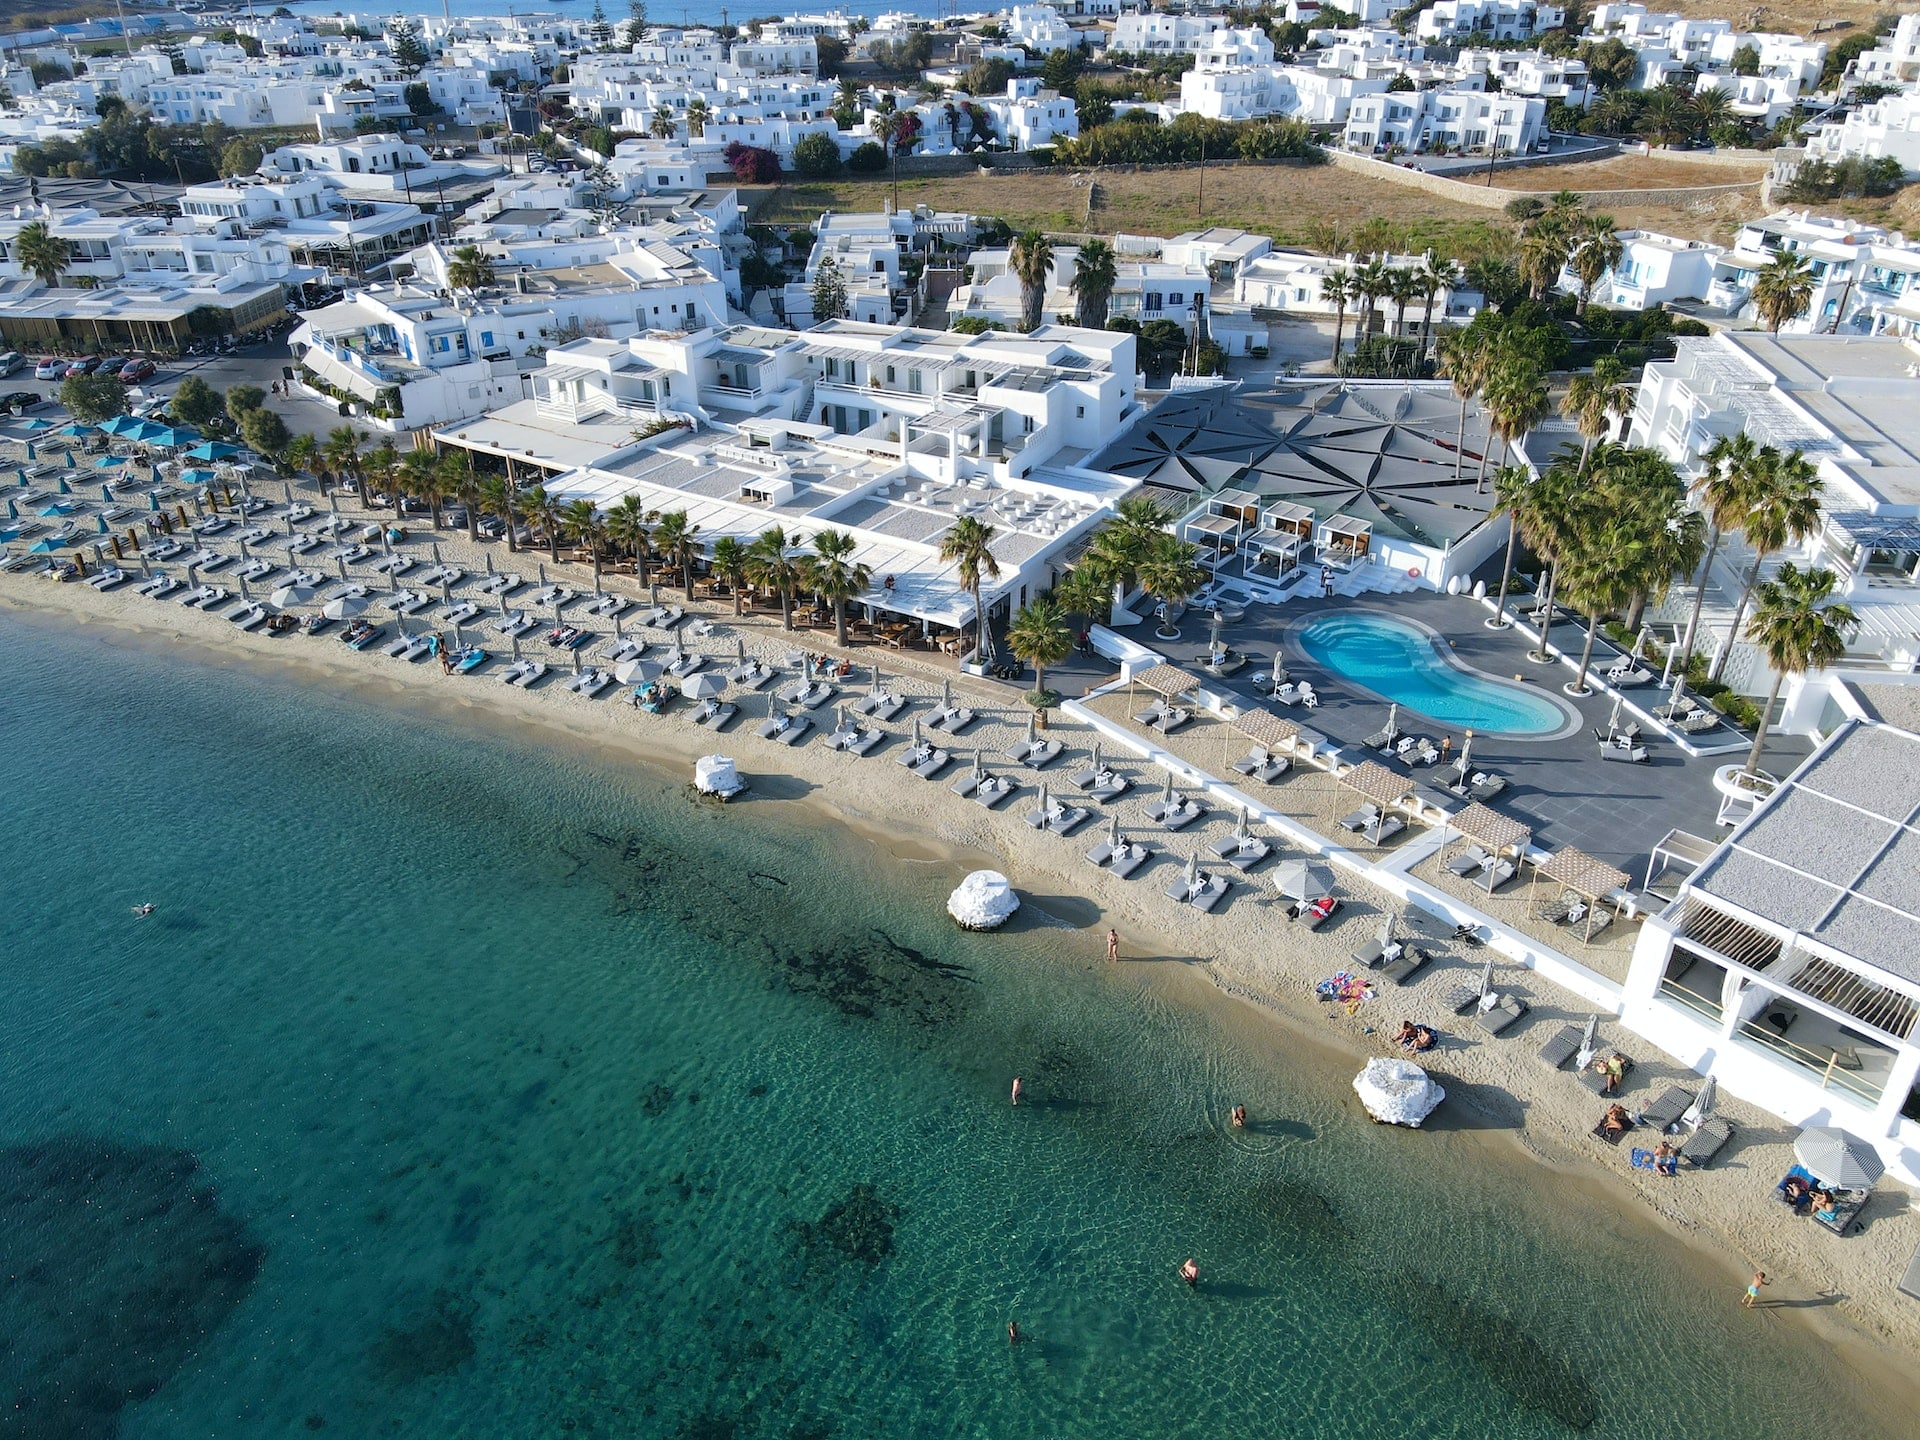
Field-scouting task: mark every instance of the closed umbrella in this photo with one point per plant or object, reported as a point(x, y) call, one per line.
point(1393, 722)
point(917, 742)
point(1839, 1158)
point(1701, 1107)
point(345, 608)
point(1240, 830)
point(292, 595)
point(1587, 1036)
point(1046, 805)
point(1094, 763)
point(1167, 797)
point(1193, 871)
point(702, 687)
point(1113, 834)
point(1486, 979)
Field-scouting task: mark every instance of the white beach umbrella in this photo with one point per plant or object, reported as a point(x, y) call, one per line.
point(1702, 1105)
point(1587, 1037)
point(1839, 1158)
point(574, 655)
point(702, 687)
point(245, 593)
point(946, 694)
point(516, 649)
point(1302, 880)
point(1167, 797)
point(638, 672)
point(345, 608)
point(1046, 804)
point(1193, 870)
point(1486, 979)
point(1393, 721)
point(916, 732)
point(1240, 830)
point(1033, 728)
point(1093, 764)
point(436, 552)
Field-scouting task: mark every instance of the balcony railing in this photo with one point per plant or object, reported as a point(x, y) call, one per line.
point(1825, 1064)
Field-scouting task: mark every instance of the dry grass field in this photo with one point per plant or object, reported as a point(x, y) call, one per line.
point(1633, 172)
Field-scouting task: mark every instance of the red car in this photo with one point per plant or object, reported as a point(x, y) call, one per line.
point(136, 370)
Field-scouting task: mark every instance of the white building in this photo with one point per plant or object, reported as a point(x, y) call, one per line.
point(1039, 29)
point(1291, 282)
point(1896, 60)
point(1838, 253)
point(1890, 126)
point(1422, 120)
point(1157, 33)
point(1786, 965)
point(1652, 270)
point(1497, 19)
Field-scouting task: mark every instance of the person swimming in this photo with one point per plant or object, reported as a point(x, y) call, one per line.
point(1190, 1272)
point(144, 909)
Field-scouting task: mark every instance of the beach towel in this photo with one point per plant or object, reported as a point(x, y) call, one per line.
point(1600, 1131)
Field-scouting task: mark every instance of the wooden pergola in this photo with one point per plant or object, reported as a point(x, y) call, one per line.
point(1592, 880)
point(1498, 834)
point(1169, 682)
point(1265, 729)
point(1375, 783)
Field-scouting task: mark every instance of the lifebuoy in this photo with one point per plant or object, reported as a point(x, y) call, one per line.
point(1413, 572)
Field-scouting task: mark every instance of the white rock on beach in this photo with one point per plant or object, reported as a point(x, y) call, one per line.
point(1397, 1092)
point(984, 901)
point(715, 775)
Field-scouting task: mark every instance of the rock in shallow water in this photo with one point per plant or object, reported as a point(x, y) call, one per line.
point(119, 1263)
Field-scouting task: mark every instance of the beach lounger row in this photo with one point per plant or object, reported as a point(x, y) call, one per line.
point(784, 729)
point(1262, 765)
point(1122, 859)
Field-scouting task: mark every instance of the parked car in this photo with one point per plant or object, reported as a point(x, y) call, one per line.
point(110, 364)
point(11, 361)
point(21, 401)
point(85, 365)
point(50, 369)
point(137, 369)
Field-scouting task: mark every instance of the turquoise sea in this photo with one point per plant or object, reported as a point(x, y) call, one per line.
point(463, 1085)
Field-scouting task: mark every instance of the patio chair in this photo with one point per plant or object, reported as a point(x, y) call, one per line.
point(1706, 1142)
point(1699, 722)
point(1499, 1017)
point(1665, 1112)
point(1564, 1045)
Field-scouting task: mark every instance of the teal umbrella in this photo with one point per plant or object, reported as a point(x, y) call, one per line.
point(32, 454)
point(197, 477)
point(211, 450)
point(36, 424)
point(171, 437)
point(107, 462)
point(65, 488)
point(143, 430)
point(117, 424)
point(68, 457)
point(74, 428)
point(49, 545)
point(153, 500)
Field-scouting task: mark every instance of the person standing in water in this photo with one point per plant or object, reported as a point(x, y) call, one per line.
point(1752, 1297)
point(1190, 1272)
point(1016, 1089)
point(1113, 944)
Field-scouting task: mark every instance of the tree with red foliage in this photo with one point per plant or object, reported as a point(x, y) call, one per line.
point(752, 164)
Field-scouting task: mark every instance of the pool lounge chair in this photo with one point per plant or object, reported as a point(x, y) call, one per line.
point(784, 730)
point(1313, 918)
point(1184, 812)
point(1468, 861)
point(1564, 1045)
point(1152, 715)
point(1403, 967)
point(993, 790)
point(930, 762)
point(1360, 819)
point(1262, 766)
point(953, 720)
point(1499, 1017)
point(716, 714)
point(1706, 1142)
point(1665, 1112)
point(1202, 897)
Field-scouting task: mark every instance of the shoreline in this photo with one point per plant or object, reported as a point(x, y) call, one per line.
point(1244, 984)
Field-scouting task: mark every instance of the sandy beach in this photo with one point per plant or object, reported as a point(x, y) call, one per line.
point(1840, 1290)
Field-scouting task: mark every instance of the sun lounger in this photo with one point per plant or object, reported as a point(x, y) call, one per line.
point(866, 739)
point(1564, 1045)
point(785, 730)
point(751, 675)
point(716, 714)
point(1485, 787)
point(1247, 853)
point(1312, 917)
point(1626, 754)
point(1468, 861)
point(1503, 870)
point(1597, 1082)
point(1360, 819)
point(1181, 814)
point(1909, 1284)
point(1173, 719)
point(1706, 1142)
point(953, 720)
point(1373, 954)
point(1600, 1131)
point(1403, 967)
point(931, 763)
point(993, 790)
point(967, 783)
point(1665, 1112)
point(1204, 896)
point(1500, 1016)
point(1152, 715)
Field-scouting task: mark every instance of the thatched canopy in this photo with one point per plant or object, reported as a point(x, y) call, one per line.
point(1377, 783)
point(1492, 829)
point(1263, 727)
point(1167, 680)
point(1582, 874)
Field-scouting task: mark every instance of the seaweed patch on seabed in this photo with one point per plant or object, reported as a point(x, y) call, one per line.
point(1512, 1359)
point(441, 1343)
point(857, 1227)
point(119, 1265)
point(864, 975)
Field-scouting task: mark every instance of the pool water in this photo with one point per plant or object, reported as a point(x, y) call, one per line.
point(1402, 662)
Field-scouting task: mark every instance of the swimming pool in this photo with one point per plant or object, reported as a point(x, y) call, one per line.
point(1402, 662)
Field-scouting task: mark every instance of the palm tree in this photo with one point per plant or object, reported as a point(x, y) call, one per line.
point(1039, 635)
point(1782, 289)
point(41, 253)
point(471, 268)
point(1403, 288)
point(1783, 509)
point(1711, 109)
point(1435, 276)
point(663, 125)
point(697, 113)
point(1543, 254)
point(1512, 494)
point(679, 544)
point(1115, 553)
point(1798, 628)
point(627, 527)
point(500, 500)
point(419, 477)
point(382, 470)
point(583, 522)
point(832, 573)
point(1550, 523)
point(1339, 289)
point(1515, 397)
point(1664, 119)
point(730, 560)
point(1594, 398)
point(1463, 356)
point(1094, 274)
point(1031, 260)
point(770, 563)
point(537, 505)
point(458, 479)
point(1374, 281)
point(1597, 248)
point(1170, 572)
point(1721, 493)
point(968, 544)
point(303, 452)
point(1085, 592)
point(341, 451)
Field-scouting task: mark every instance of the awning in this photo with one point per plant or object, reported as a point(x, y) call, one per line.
point(1377, 783)
point(1167, 680)
point(1491, 828)
point(1582, 873)
point(1263, 727)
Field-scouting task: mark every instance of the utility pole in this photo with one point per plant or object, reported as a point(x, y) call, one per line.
point(1200, 208)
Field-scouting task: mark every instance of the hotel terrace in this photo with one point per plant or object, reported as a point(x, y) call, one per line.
point(889, 434)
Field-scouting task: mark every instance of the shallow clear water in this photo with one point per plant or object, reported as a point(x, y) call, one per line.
point(1398, 661)
point(529, 1098)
